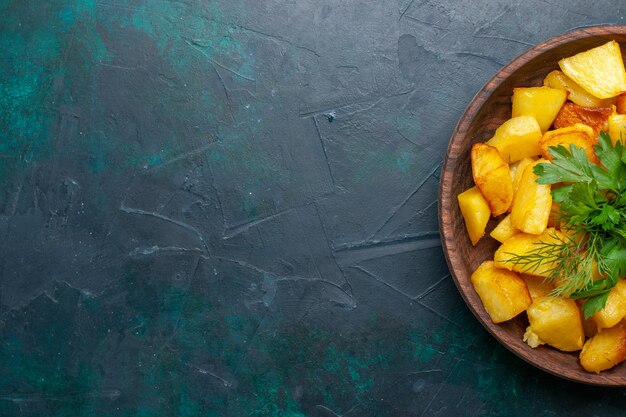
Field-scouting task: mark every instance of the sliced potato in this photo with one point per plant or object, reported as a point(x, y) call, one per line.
point(532, 203)
point(522, 244)
point(532, 339)
point(517, 138)
point(604, 350)
point(503, 293)
point(620, 104)
point(599, 70)
point(504, 230)
point(594, 117)
point(520, 167)
point(475, 211)
point(491, 175)
point(543, 103)
point(554, 220)
point(557, 322)
point(589, 326)
point(578, 135)
point(537, 286)
point(617, 128)
point(615, 308)
point(577, 94)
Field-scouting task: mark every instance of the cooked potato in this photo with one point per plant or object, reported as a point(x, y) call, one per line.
point(491, 175)
point(615, 308)
point(589, 326)
point(617, 128)
point(532, 203)
point(599, 70)
point(503, 293)
point(517, 138)
point(520, 166)
point(596, 118)
point(604, 350)
point(543, 103)
point(504, 230)
point(537, 286)
point(554, 220)
point(577, 135)
point(512, 171)
point(523, 244)
point(476, 213)
point(556, 321)
point(620, 104)
point(577, 94)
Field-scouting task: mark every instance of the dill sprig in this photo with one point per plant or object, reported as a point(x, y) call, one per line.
point(591, 258)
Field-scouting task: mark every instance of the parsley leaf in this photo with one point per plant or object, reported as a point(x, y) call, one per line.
point(566, 166)
point(594, 304)
point(609, 175)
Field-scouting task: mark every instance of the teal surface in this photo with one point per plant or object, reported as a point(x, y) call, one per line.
point(228, 208)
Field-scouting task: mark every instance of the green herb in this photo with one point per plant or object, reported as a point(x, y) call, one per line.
point(593, 212)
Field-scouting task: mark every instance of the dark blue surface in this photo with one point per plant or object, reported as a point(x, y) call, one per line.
point(229, 208)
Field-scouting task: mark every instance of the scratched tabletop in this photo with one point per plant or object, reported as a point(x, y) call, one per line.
point(229, 208)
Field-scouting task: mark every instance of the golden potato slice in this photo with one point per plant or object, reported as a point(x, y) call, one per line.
point(596, 118)
point(566, 136)
point(615, 308)
point(604, 350)
point(554, 220)
point(517, 138)
point(577, 94)
point(620, 104)
point(503, 293)
point(522, 244)
point(532, 339)
point(589, 326)
point(617, 127)
point(520, 166)
point(475, 211)
point(599, 70)
point(537, 286)
point(576, 127)
point(504, 230)
point(532, 203)
point(491, 175)
point(557, 322)
point(543, 103)
point(512, 171)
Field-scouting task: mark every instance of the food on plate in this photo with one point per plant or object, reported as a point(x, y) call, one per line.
point(543, 103)
point(579, 135)
point(517, 252)
point(517, 138)
point(504, 230)
point(503, 293)
point(555, 321)
point(475, 211)
point(615, 308)
point(554, 177)
point(575, 93)
point(532, 203)
point(594, 117)
point(617, 127)
point(599, 70)
point(537, 286)
point(604, 350)
point(491, 175)
point(620, 103)
point(518, 170)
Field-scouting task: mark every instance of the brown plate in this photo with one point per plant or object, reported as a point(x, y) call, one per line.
point(488, 109)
